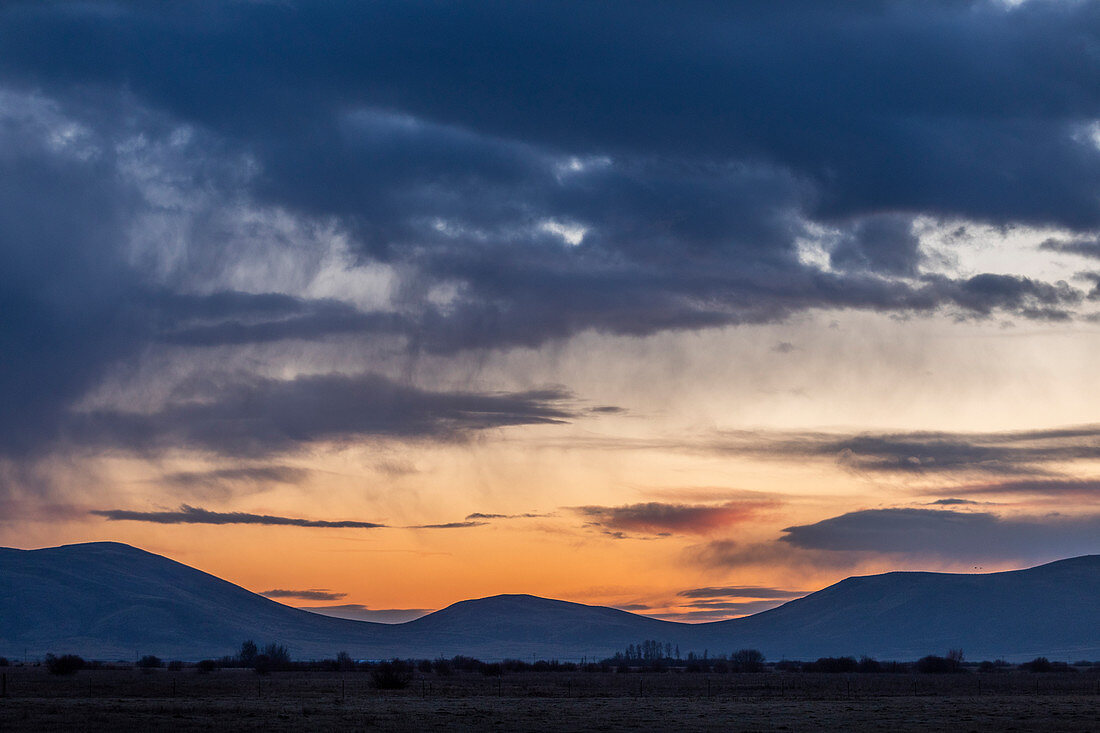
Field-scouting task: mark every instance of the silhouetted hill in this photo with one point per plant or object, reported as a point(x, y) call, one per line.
point(530, 624)
point(1051, 610)
point(109, 600)
point(112, 601)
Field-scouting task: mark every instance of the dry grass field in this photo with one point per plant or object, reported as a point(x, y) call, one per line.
point(233, 699)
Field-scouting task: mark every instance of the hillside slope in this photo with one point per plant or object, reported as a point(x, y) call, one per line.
point(112, 601)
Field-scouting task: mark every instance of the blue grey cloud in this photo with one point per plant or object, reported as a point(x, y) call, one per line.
point(1036, 454)
point(197, 515)
point(255, 416)
point(560, 166)
point(312, 594)
point(740, 591)
point(943, 533)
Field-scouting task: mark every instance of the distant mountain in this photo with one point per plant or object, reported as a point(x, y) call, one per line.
point(1051, 610)
point(112, 601)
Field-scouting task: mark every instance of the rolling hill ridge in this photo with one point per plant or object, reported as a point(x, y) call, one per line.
point(112, 601)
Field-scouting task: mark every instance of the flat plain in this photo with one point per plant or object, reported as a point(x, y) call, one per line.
point(232, 699)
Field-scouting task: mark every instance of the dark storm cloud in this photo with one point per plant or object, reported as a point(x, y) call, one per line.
point(949, 534)
point(1094, 294)
point(483, 516)
point(232, 318)
point(561, 166)
point(313, 594)
point(952, 502)
point(982, 294)
point(1084, 246)
point(448, 525)
point(67, 300)
point(255, 416)
point(879, 244)
point(197, 515)
point(1033, 452)
point(662, 517)
point(986, 125)
point(1068, 488)
point(750, 591)
point(247, 475)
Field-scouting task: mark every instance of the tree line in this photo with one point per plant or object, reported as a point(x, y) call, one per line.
point(645, 656)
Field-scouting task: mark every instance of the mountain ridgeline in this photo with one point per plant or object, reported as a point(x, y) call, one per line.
point(111, 601)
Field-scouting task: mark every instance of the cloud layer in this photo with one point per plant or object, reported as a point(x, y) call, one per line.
point(1010, 453)
point(197, 515)
point(312, 594)
point(255, 416)
point(510, 175)
point(660, 517)
point(931, 533)
point(238, 240)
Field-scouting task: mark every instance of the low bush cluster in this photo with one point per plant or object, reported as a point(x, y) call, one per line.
point(395, 675)
point(65, 664)
point(645, 657)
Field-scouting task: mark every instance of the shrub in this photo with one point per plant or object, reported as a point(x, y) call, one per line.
point(868, 665)
point(1039, 664)
point(936, 665)
point(206, 666)
point(832, 665)
point(247, 655)
point(425, 666)
point(262, 664)
point(493, 669)
point(65, 664)
point(344, 662)
point(4, 662)
point(395, 675)
point(465, 664)
point(175, 665)
point(278, 658)
point(149, 662)
point(442, 667)
point(747, 660)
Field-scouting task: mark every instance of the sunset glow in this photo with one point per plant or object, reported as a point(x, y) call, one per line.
point(656, 310)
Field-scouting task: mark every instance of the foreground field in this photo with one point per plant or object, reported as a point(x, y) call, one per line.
point(240, 700)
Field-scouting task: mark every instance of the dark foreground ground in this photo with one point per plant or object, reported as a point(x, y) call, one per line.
point(241, 700)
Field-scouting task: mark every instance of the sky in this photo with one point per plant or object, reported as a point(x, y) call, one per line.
point(684, 308)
